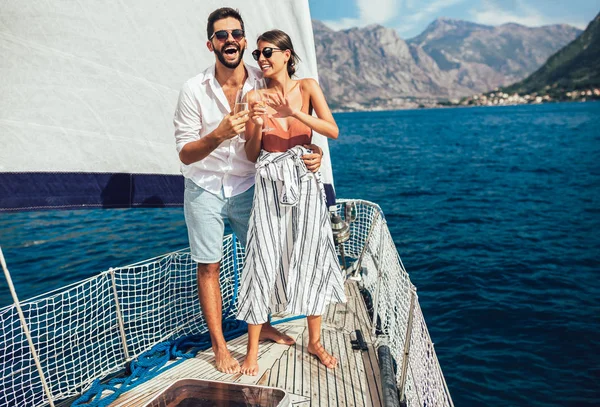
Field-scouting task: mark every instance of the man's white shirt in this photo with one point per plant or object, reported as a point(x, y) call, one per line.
point(201, 107)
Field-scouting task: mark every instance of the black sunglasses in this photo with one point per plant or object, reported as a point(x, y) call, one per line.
point(266, 51)
point(222, 35)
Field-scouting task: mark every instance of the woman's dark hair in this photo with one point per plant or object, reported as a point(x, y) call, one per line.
point(220, 14)
point(282, 41)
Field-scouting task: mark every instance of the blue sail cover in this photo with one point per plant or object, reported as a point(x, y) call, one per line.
point(89, 90)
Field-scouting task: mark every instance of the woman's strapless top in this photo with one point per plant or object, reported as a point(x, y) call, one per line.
point(280, 140)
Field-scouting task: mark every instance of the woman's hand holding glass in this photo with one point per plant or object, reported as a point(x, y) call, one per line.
point(258, 109)
point(260, 90)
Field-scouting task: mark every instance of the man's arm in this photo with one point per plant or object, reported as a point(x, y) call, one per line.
point(188, 124)
point(230, 126)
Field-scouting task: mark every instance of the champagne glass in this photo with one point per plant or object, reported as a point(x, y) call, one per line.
point(241, 102)
point(260, 85)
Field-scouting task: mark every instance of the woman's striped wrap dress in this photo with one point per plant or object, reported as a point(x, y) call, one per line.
point(291, 264)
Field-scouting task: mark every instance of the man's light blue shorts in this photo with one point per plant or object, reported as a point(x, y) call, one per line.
point(205, 214)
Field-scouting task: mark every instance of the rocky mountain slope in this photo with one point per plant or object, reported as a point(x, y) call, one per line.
point(372, 67)
point(574, 67)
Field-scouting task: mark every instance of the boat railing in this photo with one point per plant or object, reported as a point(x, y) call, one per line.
point(92, 329)
point(395, 307)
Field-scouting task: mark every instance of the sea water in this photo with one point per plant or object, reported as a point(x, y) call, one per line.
point(495, 213)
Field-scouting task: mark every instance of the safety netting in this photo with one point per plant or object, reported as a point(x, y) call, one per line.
point(395, 306)
point(94, 328)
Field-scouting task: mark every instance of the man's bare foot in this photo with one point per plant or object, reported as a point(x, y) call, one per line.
point(225, 363)
point(249, 366)
point(269, 333)
point(319, 351)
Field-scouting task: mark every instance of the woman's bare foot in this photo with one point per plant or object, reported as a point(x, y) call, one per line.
point(225, 363)
point(269, 333)
point(319, 351)
point(250, 366)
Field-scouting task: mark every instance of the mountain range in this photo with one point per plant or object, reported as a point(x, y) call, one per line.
point(574, 67)
point(373, 68)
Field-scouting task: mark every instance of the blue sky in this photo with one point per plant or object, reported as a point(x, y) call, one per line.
point(411, 17)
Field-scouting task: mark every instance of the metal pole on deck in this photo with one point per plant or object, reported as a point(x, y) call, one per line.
point(25, 328)
point(379, 265)
point(341, 234)
point(376, 305)
point(408, 335)
point(343, 256)
point(119, 313)
point(366, 245)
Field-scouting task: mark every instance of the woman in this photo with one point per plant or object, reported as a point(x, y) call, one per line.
point(291, 264)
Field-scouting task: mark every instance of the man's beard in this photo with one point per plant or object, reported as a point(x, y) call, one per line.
point(230, 65)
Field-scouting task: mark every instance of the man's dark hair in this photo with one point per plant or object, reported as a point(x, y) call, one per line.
point(220, 14)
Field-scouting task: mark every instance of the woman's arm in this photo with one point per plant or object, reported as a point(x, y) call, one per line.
point(253, 132)
point(324, 123)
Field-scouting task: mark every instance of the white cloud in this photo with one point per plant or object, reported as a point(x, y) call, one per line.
point(369, 12)
point(378, 11)
point(430, 11)
point(343, 24)
point(411, 16)
point(491, 13)
point(404, 15)
point(424, 12)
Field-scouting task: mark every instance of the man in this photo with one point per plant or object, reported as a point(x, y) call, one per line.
point(219, 179)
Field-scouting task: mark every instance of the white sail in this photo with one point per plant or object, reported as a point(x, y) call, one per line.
point(89, 89)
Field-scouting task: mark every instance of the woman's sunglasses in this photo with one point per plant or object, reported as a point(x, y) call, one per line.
point(266, 51)
point(222, 35)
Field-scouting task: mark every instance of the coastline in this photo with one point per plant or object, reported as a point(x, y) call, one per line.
point(458, 105)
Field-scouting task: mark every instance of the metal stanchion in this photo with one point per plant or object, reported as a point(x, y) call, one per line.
point(341, 234)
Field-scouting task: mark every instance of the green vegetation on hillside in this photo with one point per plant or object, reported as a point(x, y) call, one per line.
point(575, 67)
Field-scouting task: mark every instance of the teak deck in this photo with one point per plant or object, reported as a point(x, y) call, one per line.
point(355, 382)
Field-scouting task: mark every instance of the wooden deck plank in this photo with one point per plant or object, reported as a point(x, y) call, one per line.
point(370, 359)
point(373, 377)
point(315, 380)
point(274, 375)
point(361, 369)
point(360, 376)
point(340, 374)
point(355, 382)
point(373, 373)
point(283, 371)
point(361, 308)
point(324, 374)
point(349, 320)
point(349, 381)
point(298, 382)
point(291, 364)
point(306, 360)
point(332, 392)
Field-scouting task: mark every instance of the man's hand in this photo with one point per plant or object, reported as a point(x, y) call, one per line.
point(232, 125)
point(313, 161)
